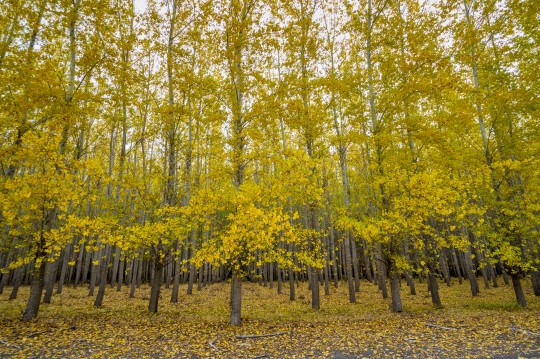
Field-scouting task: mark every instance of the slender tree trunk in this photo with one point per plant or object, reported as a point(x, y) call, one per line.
point(271, 274)
point(396, 295)
point(168, 274)
point(456, 266)
point(504, 273)
point(518, 290)
point(236, 300)
point(94, 271)
point(279, 280)
point(104, 263)
point(36, 289)
point(120, 275)
point(134, 276)
point(492, 273)
point(87, 266)
point(64, 269)
point(116, 263)
point(349, 268)
point(315, 289)
point(50, 275)
point(16, 282)
point(535, 282)
point(156, 287)
point(334, 258)
point(327, 275)
point(410, 282)
point(444, 267)
point(200, 282)
point(356, 267)
point(367, 261)
point(5, 277)
point(176, 281)
point(292, 291)
point(434, 289)
point(473, 281)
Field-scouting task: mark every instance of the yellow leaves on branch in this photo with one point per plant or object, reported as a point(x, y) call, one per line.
point(255, 228)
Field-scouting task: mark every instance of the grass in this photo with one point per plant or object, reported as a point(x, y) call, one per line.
point(482, 326)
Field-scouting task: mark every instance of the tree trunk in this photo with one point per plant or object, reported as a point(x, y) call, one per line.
point(535, 282)
point(356, 267)
point(518, 290)
point(84, 265)
point(292, 291)
point(271, 275)
point(156, 288)
point(443, 265)
point(456, 266)
point(200, 278)
point(102, 277)
point(504, 273)
point(492, 274)
point(236, 300)
point(176, 281)
point(136, 269)
point(50, 275)
point(327, 276)
point(3, 282)
point(94, 273)
point(333, 258)
point(349, 268)
point(396, 295)
point(16, 282)
point(64, 269)
point(36, 289)
point(410, 282)
point(116, 263)
point(367, 261)
point(279, 280)
point(434, 289)
point(475, 288)
point(315, 289)
point(120, 275)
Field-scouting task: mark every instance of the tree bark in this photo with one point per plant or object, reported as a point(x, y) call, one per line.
point(16, 282)
point(134, 276)
point(292, 291)
point(535, 282)
point(64, 269)
point(120, 275)
point(236, 300)
point(50, 276)
point(176, 280)
point(473, 281)
point(36, 289)
point(396, 295)
point(315, 289)
point(104, 263)
point(279, 280)
point(434, 289)
point(155, 288)
point(518, 290)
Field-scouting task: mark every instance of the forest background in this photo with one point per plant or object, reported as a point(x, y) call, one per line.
point(198, 141)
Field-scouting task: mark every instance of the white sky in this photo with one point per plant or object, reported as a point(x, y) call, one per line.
point(140, 5)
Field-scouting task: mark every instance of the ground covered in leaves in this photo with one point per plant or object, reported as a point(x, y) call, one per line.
point(488, 326)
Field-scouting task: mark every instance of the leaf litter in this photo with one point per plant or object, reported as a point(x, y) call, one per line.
point(487, 326)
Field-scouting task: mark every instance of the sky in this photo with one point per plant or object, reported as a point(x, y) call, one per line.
point(140, 5)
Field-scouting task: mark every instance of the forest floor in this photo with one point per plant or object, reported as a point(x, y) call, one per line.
point(487, 326)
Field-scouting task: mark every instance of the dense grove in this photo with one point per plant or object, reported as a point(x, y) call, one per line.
point(190, 142)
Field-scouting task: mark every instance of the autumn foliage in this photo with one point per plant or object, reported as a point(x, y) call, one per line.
point(189, 143)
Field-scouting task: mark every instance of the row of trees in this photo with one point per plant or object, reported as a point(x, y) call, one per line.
point(203, 140)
